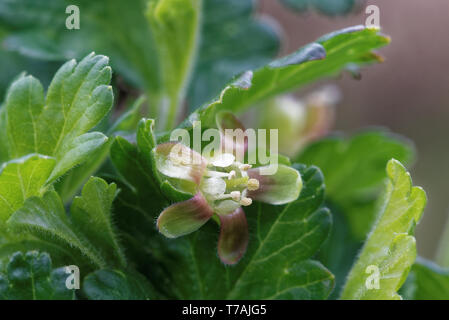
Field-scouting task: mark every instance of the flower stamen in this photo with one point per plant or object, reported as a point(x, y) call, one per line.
point(253, 184)
point(217, 174)
point(236, 196)
point(246, 201)
point(245, 167)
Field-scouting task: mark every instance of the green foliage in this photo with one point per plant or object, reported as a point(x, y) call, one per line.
point(57, 125)
point(111, 27)
point(175, 26)
point(108, 284)
point(134, 164)
point(183, 53)
point(91, 212)
point(47, 136)
point(366, 153)
point(427, 281)
point(31, 276)
point(20, 179)
point(232, 40)
point(88, 233)
point(390, 246)
point(354, 199)
point(326, 57)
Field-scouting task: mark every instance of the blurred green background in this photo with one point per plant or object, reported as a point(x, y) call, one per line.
point(408, 93)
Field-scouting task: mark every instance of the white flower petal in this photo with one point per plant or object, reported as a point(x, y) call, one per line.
point(223, 160)
point(214, 186)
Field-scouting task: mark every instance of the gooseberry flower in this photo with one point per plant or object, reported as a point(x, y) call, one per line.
point(220, 186)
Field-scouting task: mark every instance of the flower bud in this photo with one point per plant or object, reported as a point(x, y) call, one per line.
point(300, 121)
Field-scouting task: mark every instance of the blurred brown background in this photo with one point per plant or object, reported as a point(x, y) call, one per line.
point(408, 93)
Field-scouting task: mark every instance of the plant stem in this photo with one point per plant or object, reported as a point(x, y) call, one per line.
point(173, 110)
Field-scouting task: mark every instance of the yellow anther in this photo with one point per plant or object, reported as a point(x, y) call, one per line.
point(235, 196)
point(245, 167)
point(246, 201)
point(253, 184)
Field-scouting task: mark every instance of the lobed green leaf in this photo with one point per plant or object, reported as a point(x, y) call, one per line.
point(366, 153)
point(21, 179)
point(88, 233)
point(390, 247)
point(30, 276)
point(326, 57)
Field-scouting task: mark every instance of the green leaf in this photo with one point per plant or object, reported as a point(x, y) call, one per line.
point(112, 27)
point(390, 247)
point(233, 39)
point(88, 233)
point(77, 99)
point(80, 150)
point(278, 263)
point(175, 26)
point(91, 213)
point(326, 57)
point(429, 281)
point(46, 219)
point(30, 277)
point(24, 102)
point(136, 166)
point(12, 243)
point(4, 156)
point(109, 284)
point(13, 63)
point(135, 217)
point(366, 153)
point(20, 179)
point(353, 199)
point(69, 185)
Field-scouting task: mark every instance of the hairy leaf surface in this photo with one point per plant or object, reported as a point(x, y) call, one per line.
point(20, 179)
point(107, 284)
point(88, 232)
point(391, 246)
